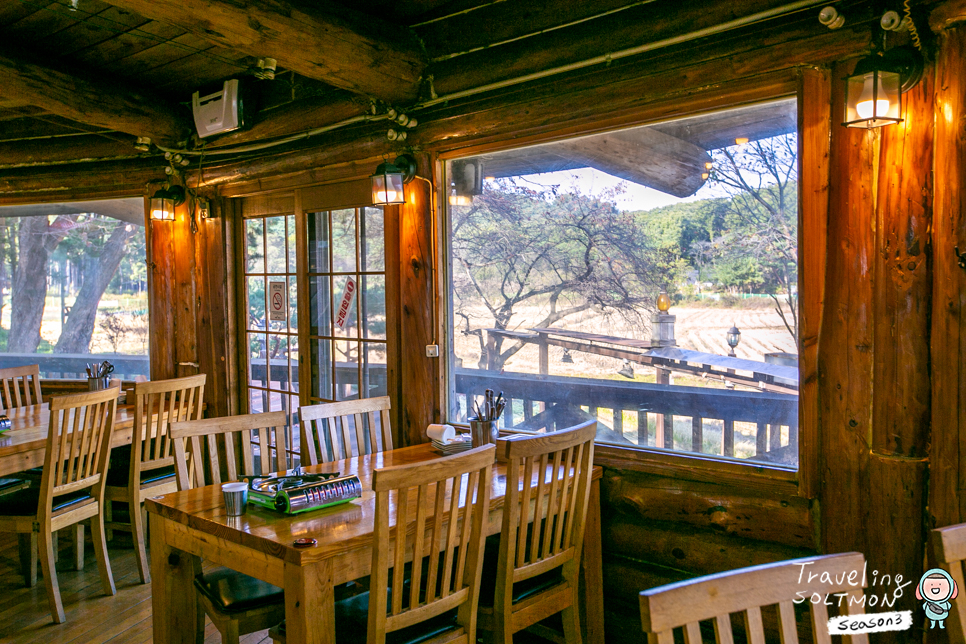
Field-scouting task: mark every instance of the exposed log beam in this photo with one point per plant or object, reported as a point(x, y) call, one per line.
point(323, 41)
point(94, 103)
point(662, 24)
point(72, 149)
point(295, 118)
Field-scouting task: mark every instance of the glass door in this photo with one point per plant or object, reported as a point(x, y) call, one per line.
point(271, 329)
point(347, 303)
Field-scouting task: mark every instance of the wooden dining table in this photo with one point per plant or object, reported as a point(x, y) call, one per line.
point(191, 526)
point(24, 445)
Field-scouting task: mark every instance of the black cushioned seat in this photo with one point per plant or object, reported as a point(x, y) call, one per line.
point(235, 592)
point(25, 502)
point(521, 589)
point(120, 465)
point(352, 621)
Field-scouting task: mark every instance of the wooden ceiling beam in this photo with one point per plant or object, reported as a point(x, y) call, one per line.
point(324, 41)
point(92, 102)
point(71, 149)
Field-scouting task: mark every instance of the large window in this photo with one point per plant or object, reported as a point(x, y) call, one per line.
point(73, 287)
point(558, 254)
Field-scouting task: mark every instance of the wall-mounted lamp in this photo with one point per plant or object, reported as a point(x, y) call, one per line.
point(873, 93)
point(389, 178)
point(466, 181)
point(165, 200)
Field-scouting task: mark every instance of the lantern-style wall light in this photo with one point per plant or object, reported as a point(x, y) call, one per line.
point(165, 200)
point(873, 93)
point(389, 179)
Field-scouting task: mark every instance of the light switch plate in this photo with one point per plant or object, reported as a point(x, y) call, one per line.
point(432, 350)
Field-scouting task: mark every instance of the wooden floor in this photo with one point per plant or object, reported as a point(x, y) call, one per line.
point(92, 617)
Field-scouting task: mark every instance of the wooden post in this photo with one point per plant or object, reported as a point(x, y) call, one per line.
point(947, 478)
point(664, 436)
point(544, 352)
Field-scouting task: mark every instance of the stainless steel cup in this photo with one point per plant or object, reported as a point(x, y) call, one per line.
point(236, 498)
point(483, 432)
point(97, 384)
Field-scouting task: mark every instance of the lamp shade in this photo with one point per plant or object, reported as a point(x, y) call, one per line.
point(873, 93)
point(164, 201)
point(387, 185)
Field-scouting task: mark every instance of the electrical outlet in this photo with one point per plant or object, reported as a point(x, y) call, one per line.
point(432, 350)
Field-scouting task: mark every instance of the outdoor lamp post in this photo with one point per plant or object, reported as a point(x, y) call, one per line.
point(734, 337)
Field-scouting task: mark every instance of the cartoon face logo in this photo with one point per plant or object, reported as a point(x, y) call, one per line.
point(936, 589)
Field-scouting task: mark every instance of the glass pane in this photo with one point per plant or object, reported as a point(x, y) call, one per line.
point(583, 256)
point(344, 241)
point(318, 237)
point(257, 360)
point(322, 386)
point(275, 239)
point(291, 244)
point(374, 253)
point(374, 371)
point(254, 245)
point(278, 360)
point(293, 294)
point(374, 305)
point(257, 401)
point(346, 370)
point(320, 312)
point(256, 303)
point(344, 304)
point(293, 357)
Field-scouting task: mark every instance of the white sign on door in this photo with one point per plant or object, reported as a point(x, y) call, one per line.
point(277, 308)
point(345, 308)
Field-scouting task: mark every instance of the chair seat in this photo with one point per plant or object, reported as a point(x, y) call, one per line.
point(118, 477)
point(10, 485)
point(234, 592)
point(26, 502)
point(352, 621)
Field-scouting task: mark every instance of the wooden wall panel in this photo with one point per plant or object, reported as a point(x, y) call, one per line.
point(189, 307)
point(947, 476)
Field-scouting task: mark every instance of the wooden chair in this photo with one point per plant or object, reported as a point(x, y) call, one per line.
point(746, 591)
point(538, 560)
point(72, 487)
point(20, 386)
point(949, 547)
point(236, 603)
point(150, 467)
point(333, 431)
point(438, 601)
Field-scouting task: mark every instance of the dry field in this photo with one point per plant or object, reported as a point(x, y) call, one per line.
point(700, 329)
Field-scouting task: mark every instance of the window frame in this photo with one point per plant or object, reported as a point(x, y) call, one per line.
point(812, 89)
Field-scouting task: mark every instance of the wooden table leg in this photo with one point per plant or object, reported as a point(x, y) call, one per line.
point(309, 604)
point(177, 614)
point(592, 575)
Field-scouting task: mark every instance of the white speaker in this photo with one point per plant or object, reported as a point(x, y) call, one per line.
point(219, 112)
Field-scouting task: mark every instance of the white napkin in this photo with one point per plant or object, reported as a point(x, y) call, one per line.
point(441, 433)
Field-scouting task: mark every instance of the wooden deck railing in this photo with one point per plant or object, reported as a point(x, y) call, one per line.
point(706, 417)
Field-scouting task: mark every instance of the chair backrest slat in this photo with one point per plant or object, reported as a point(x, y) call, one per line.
point(405, 497)
point(20, 386)
point(236, 431)
point(158, 403)
point(717, 597)
point(334, 431)
point(78, 442)
point(949, 546)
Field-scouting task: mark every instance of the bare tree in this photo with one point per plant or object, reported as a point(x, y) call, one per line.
point(37, 238)
point(561, 251)
point(761, 179)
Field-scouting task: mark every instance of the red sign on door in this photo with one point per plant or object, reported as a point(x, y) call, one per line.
point(346, 306)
